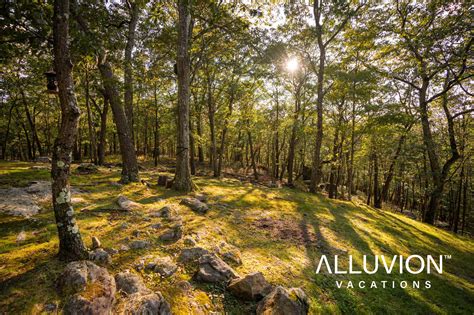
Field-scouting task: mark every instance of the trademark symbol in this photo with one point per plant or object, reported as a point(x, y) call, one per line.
point(447, 256)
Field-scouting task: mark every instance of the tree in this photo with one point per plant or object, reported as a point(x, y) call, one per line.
point(426, 50)
point(71, 246)
point(182, 180)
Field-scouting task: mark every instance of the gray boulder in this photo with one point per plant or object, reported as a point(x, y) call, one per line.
point(129, 283)
point(127, 204)
point(163, 265)
point(229, 253)
point(253, 286)
point(189, 241)
point(196, 205)
point(189, 255)
point(145, 303)
point(139, 299)
point(100, 256)
point(172, 234)
point(89, 289)
point(212, 269)
point(169, 212)
point(43, 159)
point(87, 168)
point(284, 302)
point(139, 244)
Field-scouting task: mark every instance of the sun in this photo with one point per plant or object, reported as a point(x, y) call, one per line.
point(292, 64)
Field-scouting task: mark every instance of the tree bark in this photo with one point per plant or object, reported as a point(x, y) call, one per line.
point(127, 150)
point(103, 131)
point(71, 246)
point(128, 71)
point(182, 180)
point(92, 138)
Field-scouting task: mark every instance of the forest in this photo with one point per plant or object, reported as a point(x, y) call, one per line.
point(266, 133)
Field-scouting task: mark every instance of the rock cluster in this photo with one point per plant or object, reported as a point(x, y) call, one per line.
point(89, 289)
point(138, 298)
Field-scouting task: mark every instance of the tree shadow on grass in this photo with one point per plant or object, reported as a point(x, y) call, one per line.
point(348, 301)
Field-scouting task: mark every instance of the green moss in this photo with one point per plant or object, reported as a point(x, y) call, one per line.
point(334, 226)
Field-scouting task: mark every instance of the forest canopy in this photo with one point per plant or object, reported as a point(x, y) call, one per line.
point(348, 98)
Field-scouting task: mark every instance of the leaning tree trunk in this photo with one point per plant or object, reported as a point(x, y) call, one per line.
point(71, 246)
point(127, 150)
point(182, 180)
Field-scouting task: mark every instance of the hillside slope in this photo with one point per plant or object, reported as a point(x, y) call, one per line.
point(280, 232)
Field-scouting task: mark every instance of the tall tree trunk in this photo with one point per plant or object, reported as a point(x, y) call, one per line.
point(252, 155)
point(156, 133)
point(316, 171)
point(92, 139)
point(389, 177)
point(34, 134)
point(439, 174)
point(128, 71)
point(212, 125)
point(192, 150)
point(377, 201)
point(7, 133)
point(127, 150)
point(103, 132)
point(71, 246)
point(224, 132)
point(182, 180)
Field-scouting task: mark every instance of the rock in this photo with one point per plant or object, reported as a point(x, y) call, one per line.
point(189, 241)
point(127, 204)
point(162, 180)
point(184, 286)
point(112, 251)
point(145, 303)
point(139, 244)
point(229, 253)
point(212, 269)
point(173, 234)
point(232, 257)
point(411, 215)
point(21, 237)
point(164, 266)
point(100, 256)
point(284, 302)
point(124, 248)
point(139, 300)
point(89, 288)
point(201, 197)
point(129, 283)
point(124, 226)
point(168, 212)
point(156, 226)
point(195, 205)
point(43, 159)
point(95, 242)
point(189, 255)
point(87, 168)
point(251, 287)
point(50, 307)
point(272, 184)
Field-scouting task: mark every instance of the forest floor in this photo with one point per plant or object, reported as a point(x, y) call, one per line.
point(279, 231)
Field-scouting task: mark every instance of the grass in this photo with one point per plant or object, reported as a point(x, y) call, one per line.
point(297, 229)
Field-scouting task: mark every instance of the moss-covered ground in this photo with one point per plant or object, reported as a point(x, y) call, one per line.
point(279, 231)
